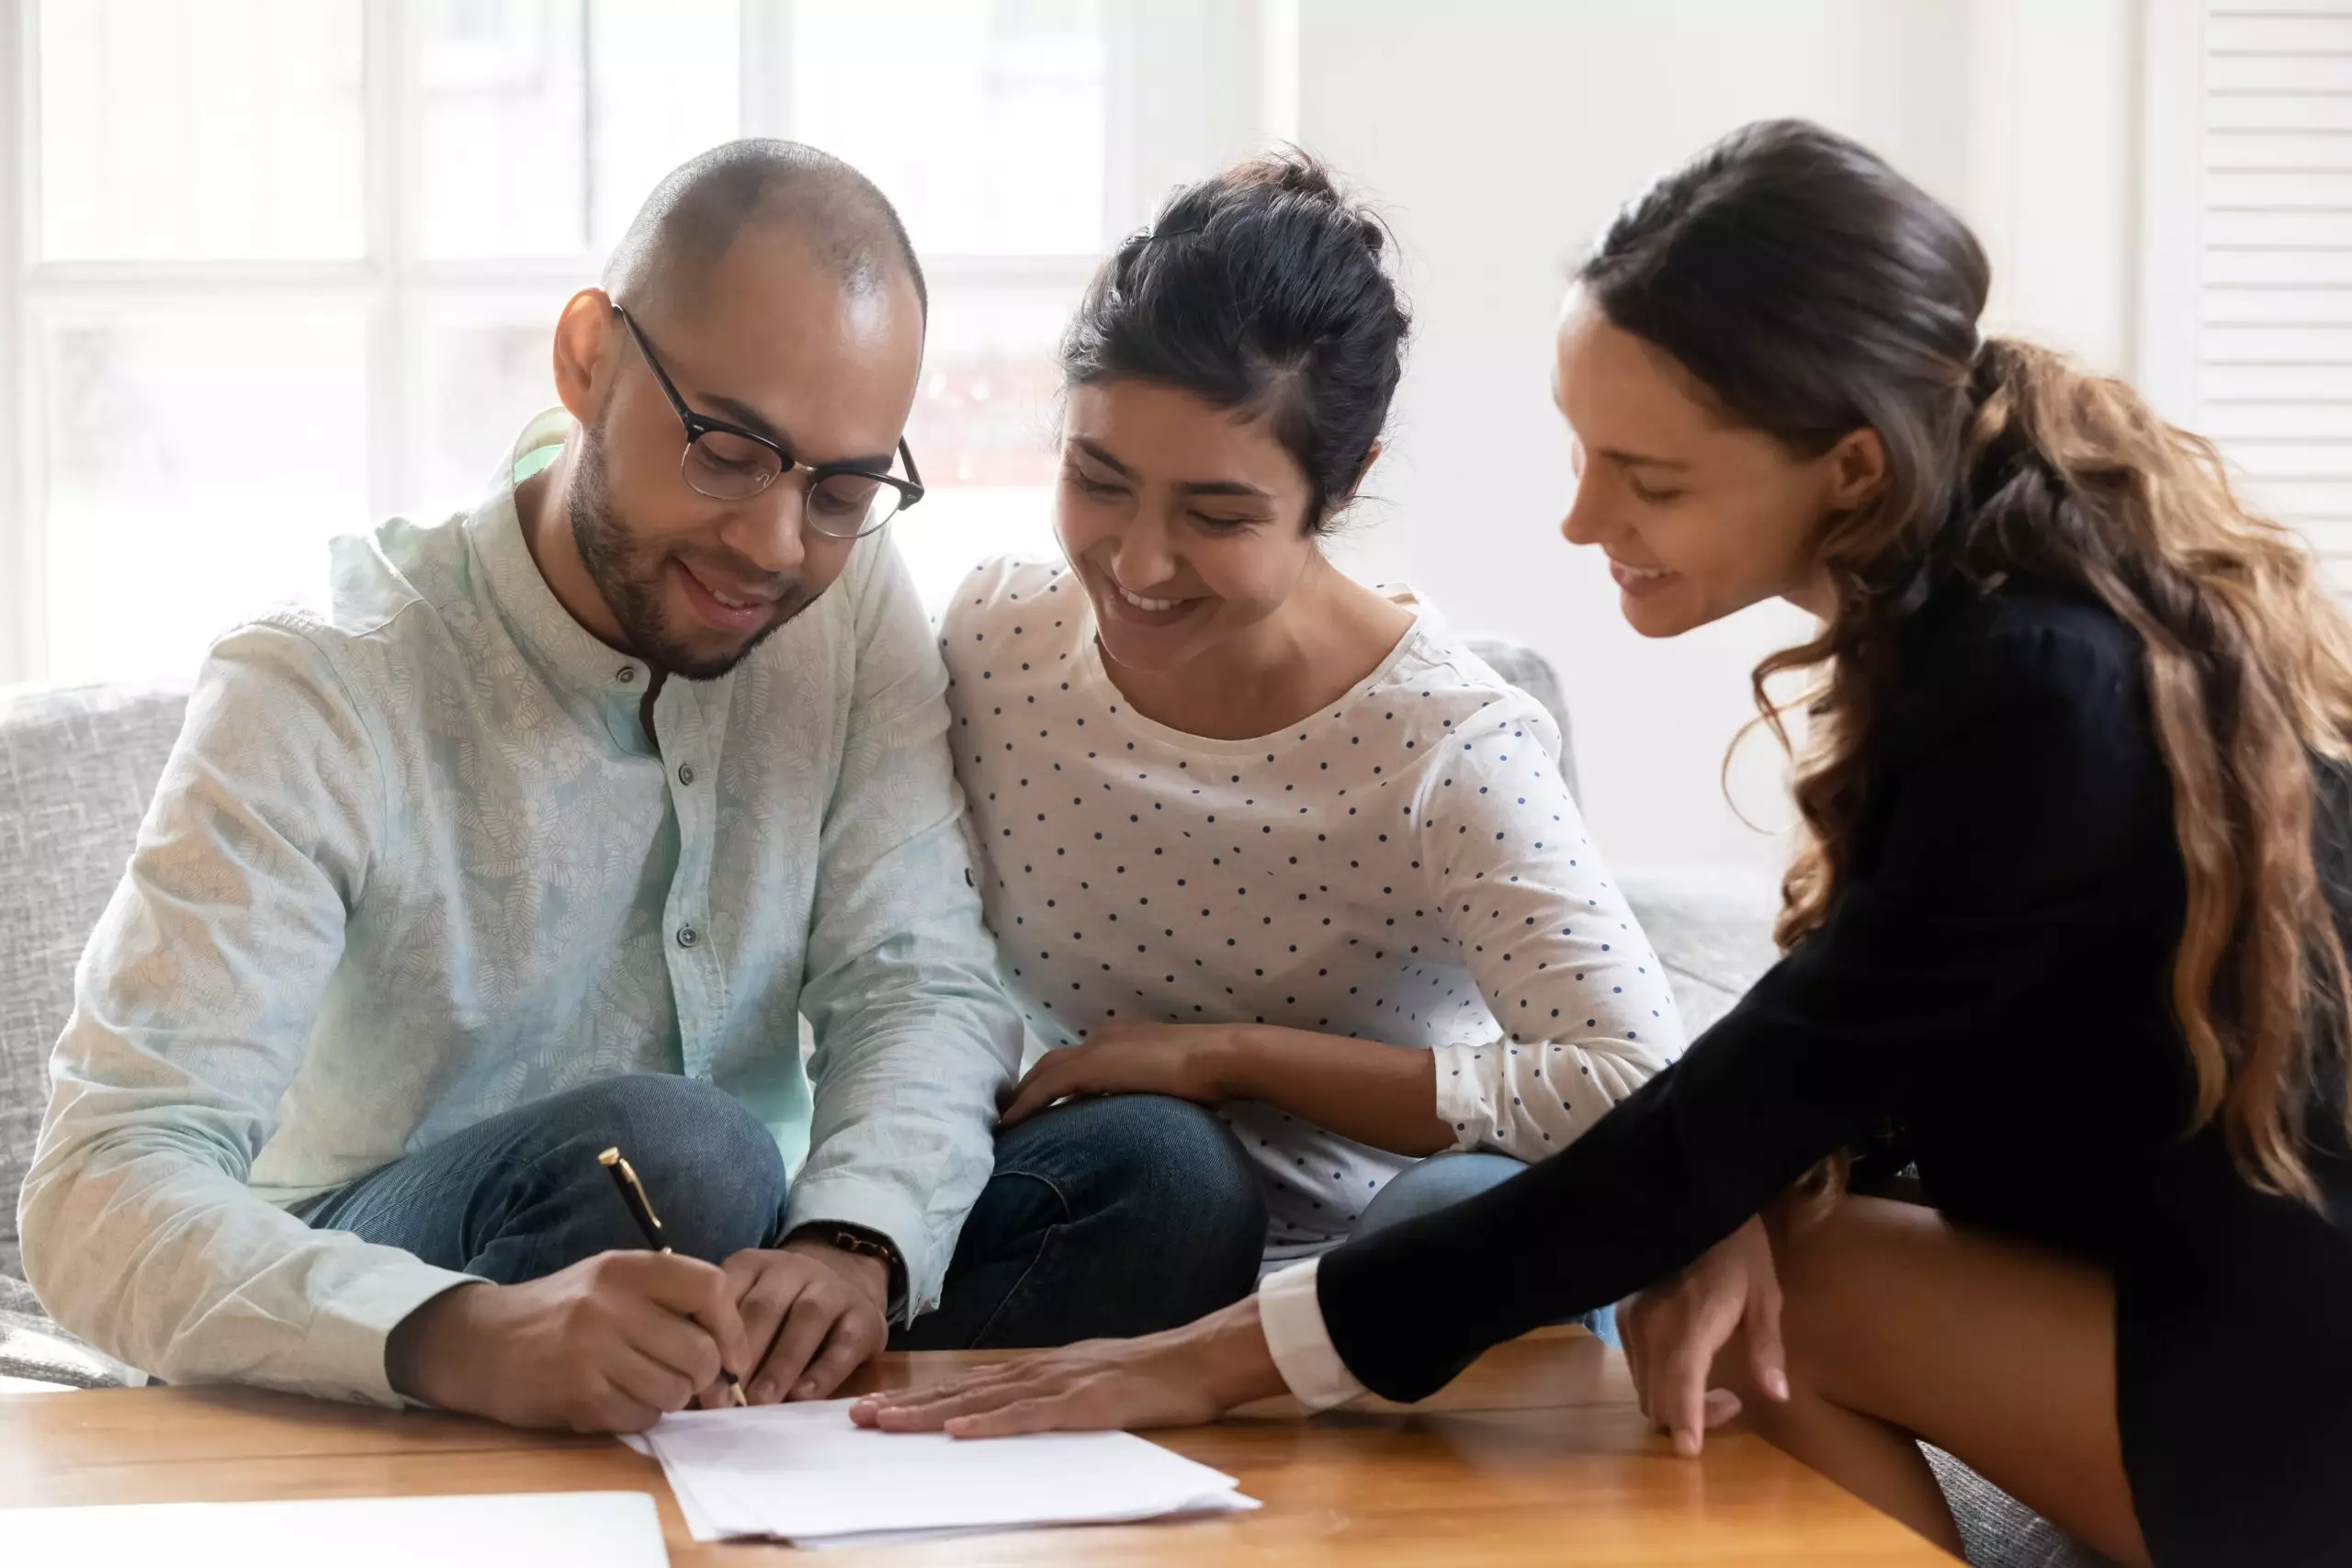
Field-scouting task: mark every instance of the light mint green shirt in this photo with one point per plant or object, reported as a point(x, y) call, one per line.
point(415, 861)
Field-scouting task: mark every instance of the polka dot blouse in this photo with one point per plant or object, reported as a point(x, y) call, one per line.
point(1404, 865)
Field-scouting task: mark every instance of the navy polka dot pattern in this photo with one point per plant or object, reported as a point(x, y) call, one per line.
point(1404, 865)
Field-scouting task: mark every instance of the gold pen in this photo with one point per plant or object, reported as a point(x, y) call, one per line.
point(641, 1210)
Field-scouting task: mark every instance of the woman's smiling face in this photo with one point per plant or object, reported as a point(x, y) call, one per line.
point(1699, 516)
point(1186, 522)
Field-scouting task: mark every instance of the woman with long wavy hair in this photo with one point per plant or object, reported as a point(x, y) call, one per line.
point(2066, 940)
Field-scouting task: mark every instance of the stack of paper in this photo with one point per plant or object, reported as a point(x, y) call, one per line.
point(804, 1473)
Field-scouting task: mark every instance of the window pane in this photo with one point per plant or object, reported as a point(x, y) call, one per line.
point(195, 464)
point(189, 129)
point(668, 80)
point(483, 380)
point(984, 430)
point(543, 123)
point(982, 122)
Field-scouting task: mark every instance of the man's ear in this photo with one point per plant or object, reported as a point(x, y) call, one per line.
point(583, 343)
point(1857, 469)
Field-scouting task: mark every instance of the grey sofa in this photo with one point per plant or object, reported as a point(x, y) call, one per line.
point(77, 766)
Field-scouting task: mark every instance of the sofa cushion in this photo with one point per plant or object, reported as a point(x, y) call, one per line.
point(77, 765)
point(1996, 1529)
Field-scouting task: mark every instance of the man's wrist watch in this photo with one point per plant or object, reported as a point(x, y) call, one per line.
point(859, 1242)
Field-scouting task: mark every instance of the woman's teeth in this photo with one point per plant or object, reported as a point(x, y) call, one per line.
point(1140, 603)
point(1644, 573)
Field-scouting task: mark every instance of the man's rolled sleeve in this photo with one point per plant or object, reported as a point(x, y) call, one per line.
point(194, 1005)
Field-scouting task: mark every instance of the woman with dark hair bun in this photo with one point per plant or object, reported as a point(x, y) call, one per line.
point(1285, 879)
point(2067, 939)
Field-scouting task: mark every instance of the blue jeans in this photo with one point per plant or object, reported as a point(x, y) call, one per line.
point(1073, 1237)
point(520, 1195)
point(1440, 1182)
point(1104, 1219)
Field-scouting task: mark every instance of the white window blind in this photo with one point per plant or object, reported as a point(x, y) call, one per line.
point(2273, 374)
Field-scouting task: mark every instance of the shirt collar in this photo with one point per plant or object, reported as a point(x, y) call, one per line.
point(572, 657)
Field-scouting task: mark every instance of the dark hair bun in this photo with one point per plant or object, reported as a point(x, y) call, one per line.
point(1295, 173)
point(1262, 288)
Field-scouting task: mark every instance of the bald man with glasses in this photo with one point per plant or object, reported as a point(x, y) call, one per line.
point(542, 840)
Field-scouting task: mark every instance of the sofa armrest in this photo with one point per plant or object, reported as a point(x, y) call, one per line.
point(35, 1349)
point(1712, 927)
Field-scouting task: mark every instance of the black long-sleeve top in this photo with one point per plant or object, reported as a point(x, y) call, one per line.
point(1989, 993)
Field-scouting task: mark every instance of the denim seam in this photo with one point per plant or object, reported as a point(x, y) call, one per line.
point(1052, 1236)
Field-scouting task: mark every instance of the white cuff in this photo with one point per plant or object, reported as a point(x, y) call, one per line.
point(1292, 1317)
point(1465, 1097)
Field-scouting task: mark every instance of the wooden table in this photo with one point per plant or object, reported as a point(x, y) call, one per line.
point(1536, 1455)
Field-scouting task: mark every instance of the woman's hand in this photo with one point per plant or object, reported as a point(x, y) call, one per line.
point(1189, 1061)
point(1181, 1378)
point(1674, 1329)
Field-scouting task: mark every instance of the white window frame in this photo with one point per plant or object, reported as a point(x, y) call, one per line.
point(16, 574)
point(2172, 180)
point(1205, 98)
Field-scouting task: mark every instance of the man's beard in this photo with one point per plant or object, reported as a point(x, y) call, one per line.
point(630, 578)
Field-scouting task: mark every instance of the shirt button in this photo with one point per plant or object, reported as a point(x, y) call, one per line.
point(685, 773)
point(688, 936)
point(626, 674)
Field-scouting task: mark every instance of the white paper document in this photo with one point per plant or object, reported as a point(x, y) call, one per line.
point(550, 1529)
point(804, 1473)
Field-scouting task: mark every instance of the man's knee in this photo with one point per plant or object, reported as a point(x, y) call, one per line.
point(709, 1168)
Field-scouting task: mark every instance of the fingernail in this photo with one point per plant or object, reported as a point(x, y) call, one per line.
point(807, 1386)
point(763, 1394)
point(1686, 1443)
point(1777, 1385)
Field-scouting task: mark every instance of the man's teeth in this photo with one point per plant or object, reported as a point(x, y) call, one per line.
point(1140, 603)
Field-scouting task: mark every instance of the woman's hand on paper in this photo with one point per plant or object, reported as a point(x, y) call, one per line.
point(1675, 1330)
point(1181, 1378)
point(1189, 1061)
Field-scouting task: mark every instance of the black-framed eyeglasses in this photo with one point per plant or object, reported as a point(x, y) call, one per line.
point(727, 462)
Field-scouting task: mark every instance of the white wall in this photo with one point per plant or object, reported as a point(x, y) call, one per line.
point(1501, 134)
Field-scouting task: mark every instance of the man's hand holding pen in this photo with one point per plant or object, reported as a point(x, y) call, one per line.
point(617, 1341)
point(609, 1345)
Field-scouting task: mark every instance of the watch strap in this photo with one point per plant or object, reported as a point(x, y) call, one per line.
point(860, 1242)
